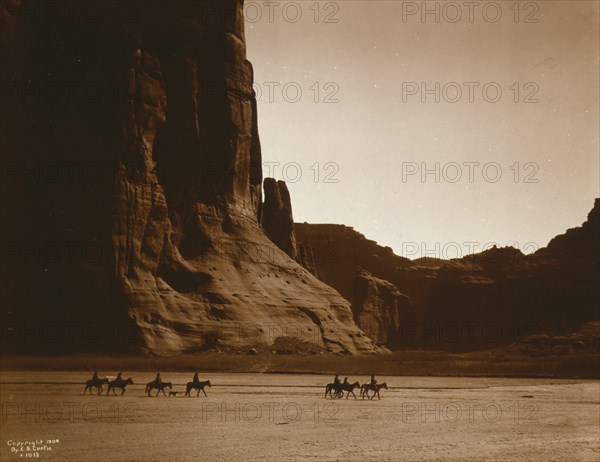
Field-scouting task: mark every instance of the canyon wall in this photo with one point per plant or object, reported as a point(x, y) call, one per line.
point(131, 140)
point(380, 309)
point(484, 300)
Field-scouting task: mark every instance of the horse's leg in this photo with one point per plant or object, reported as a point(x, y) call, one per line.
point(353, 394)
point(204, 393)
point(122, 391)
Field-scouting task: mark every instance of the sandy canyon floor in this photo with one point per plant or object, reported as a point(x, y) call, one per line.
point(285, 417)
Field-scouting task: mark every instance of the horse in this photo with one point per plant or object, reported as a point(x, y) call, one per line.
point(197, 386)
point(95, 383)
point(159, 386)
point(348, 387)
point(333, 387)
point(118, 383)
point(375, 388)
point(363, 390)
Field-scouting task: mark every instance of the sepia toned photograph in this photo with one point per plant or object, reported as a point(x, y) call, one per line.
point(311, 230)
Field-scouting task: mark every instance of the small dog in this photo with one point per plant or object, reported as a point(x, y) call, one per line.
point(173, 393)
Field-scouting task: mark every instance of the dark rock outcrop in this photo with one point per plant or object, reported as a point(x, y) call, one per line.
point(156, 114)
point(277, 217)
point(306, 257)
point(380, 309)
point(278, 224)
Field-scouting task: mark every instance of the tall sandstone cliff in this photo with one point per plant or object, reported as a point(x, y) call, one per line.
point(135, 136)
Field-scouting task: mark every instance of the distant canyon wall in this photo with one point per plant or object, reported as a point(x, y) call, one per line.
point(484, 300)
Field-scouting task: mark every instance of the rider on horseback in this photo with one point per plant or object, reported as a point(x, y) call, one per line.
point(119, 376)
point(196, 380)
point(95, 376)
point(373, 381)
point(157, 379)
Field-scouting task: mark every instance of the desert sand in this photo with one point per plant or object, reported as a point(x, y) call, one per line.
point(285, 417)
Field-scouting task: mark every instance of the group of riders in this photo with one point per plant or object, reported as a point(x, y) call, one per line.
point(337, 388)
point(157, 384)
point(97, 382)
point(334, 390)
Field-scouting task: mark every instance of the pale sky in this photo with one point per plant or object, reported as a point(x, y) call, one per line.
point(374, 132)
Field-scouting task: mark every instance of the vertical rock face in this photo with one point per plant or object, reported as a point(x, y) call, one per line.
point(306, 257)
point(380, 309)
point(168, 123)
point(277, 217)
point(278, 224)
